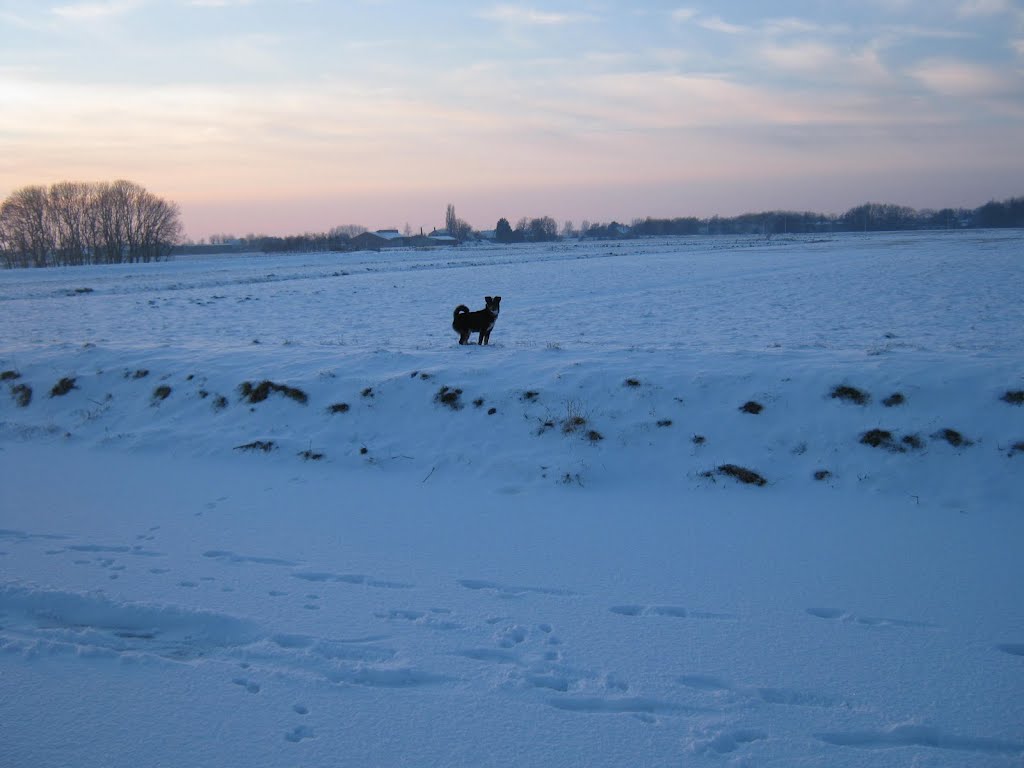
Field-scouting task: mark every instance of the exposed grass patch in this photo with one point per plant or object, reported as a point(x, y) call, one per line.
point(664, 422)
point(699, 439)
point(368, 392)
point(220, 403)
point(913, 442)
point(265, 446)
point(450, 397)
point(257, 393)
point(478, 403)
point(491, 411)
point(822, 474)
point(752, 407)
point(62, 387)
point(22, 394)
point(141, 373)
point(879, 438)
point(741, 474)
point(594, 436)
point(338, 408)
point(850, 395)
point(572, 424)
point(896, 398)
point(1017, 447)
point(363, 451)
point(953, 437)
point(309, 455)
point(9, 376)
point(530, 395)
point(161, 393)
point(1014, 397)
point(632, 382)
point(83, 290)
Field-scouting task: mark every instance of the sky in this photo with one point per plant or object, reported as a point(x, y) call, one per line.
point(266, 116)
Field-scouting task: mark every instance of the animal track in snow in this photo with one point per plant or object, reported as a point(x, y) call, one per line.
point(920, 736)
point(14, 535)
point(349, 578)
point(617, 705)
point(507, 590)
point(727, 741)
point(250, 686)
point(76, 621)
point(781, 696)
point(867, 621)
point(298, 733)
point(230, 557)
point(672, 611)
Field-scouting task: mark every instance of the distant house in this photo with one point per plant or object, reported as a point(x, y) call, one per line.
point(375, 241)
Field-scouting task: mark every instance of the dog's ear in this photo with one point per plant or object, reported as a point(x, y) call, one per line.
point(487, 299)
point(497, 299)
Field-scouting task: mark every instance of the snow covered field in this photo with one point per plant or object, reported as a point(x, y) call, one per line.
point(416, 553)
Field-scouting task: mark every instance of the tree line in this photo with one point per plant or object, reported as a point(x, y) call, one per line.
point(74, 223)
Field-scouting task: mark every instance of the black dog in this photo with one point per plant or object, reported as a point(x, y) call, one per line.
point(465, 322)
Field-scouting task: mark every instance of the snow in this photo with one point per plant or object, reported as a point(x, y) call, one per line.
point(400, 582)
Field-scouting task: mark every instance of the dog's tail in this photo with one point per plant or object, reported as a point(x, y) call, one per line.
point(459, 310)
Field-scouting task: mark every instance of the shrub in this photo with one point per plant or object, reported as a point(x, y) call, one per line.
point(664, 422)
point(914, 442)
point(220, 403)
point(530, 395)
point(450, 397)
point(742, 474)
point(62, 387)
point(338, 408)
point(1017, 447)
point(260, 392)
point(22, 394)
point(1014, 397)
point(878, 438)
point(751, 407)
point(632, 382)
point(895, 398)
point(491, 411)
point(699, 439)
point(850, 395)
point(822, 474)
point(9, 376)
point(141, 373)
point(953, 437)
point(594, 436)
point(266, 446)
point(162, 392)
point(368, 392)
point(309, 455)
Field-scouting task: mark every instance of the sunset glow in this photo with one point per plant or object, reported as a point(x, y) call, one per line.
point(279, 117)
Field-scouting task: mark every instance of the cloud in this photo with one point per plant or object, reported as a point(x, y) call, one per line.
point(983, 7)
point(96, 10)
point(957, 78)
point(523, 16)
point(218, 3)
point(717, 24)
point(682, 15)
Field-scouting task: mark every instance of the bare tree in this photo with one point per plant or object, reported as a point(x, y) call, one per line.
point(76, 223)
point(27, 227)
